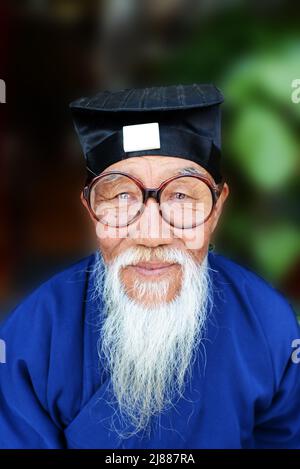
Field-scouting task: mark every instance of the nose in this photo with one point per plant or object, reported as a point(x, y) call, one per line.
point(150, 229)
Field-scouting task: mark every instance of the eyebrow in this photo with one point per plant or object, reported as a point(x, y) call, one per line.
point(187, 171)
point(114, 177)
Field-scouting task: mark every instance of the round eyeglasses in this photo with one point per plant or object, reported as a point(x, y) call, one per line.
point(118, 199)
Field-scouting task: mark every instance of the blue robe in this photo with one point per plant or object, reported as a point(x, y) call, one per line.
point(244, 391)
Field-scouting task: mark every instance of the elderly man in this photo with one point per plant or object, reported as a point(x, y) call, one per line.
point(153, 341)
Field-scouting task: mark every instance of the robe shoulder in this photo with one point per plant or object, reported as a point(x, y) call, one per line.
point(252, 302)
point(50, 296)
point(43, 337)
point(268, 302)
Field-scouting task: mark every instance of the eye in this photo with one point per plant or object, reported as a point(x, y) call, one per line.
point(179, 195)
point(123, 195)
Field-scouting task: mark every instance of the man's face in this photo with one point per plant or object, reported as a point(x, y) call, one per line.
point(156, 296)
point(150, 231)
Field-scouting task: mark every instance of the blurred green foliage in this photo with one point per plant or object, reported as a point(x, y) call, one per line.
point(254, 61)
point(263, 145)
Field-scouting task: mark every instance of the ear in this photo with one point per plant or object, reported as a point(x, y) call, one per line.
point(219, 206)
point(84, 203)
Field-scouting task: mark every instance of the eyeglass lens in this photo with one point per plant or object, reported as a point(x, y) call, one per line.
point(116, 200)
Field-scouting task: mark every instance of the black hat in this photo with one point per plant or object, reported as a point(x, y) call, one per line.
point(176, 120)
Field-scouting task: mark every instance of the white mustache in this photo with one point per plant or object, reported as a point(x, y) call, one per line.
point(133, 256)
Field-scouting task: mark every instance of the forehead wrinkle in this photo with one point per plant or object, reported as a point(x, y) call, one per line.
point(165, 165)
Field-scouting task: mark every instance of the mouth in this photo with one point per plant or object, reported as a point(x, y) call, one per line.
point(153, 268)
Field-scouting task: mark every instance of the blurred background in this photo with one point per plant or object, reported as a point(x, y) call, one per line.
point(53, 51)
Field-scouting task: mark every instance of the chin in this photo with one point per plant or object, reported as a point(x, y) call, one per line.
point(142, 296)
point(153, 302)
point(148, 302)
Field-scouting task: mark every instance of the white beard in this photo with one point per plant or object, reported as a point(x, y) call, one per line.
point(149, 350)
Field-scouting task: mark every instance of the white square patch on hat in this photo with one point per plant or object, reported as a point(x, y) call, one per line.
point(141, 137)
